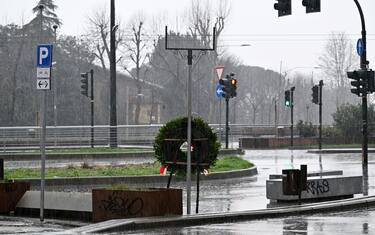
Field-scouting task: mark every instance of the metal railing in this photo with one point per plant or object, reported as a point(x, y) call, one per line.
point(80, 136)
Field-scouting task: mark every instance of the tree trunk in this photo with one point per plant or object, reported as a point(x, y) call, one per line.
point(138, 105)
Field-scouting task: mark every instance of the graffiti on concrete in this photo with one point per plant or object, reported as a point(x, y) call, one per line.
point(123, 206)
point(317, 187)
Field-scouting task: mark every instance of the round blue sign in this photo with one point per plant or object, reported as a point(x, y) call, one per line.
point(360, 47)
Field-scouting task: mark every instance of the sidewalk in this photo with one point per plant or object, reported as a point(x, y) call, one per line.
point(226, 217)
point(338, 151)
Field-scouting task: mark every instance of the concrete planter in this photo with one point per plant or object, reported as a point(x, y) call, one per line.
point(10, 194)
point(117, 204)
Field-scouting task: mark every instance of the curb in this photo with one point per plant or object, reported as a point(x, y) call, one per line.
point(103, 180)
point(338, 151)
point(226, 217)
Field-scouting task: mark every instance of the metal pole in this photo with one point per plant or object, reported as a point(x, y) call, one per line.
point(226, 122)
point(43, 132)
point(291, 115)
point(92, 107)
point(320, 112)
point(1, 169)
point(55, 92)
point(188, 166)
point(276, 134)
point(364, 64)
point(113, 110)
point(220, 136)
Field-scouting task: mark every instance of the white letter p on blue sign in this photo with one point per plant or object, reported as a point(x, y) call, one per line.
point(44, 55)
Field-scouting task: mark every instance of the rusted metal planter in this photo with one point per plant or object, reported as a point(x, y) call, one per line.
point(117, 204)
point(10, 194)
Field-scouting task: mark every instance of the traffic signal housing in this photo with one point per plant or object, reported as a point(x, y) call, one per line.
point(359, 83)
point(284, 7)
point(233, 84)
point(371, 81)
point(288, 101)
point(85, 84)
point(315, 94)
point(226, 87)
point(229, 84)
point(311, 5)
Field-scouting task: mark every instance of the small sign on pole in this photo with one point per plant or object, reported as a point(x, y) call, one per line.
point(219, 71)
point(360, 47)
point(43, 72)
point(43, 84)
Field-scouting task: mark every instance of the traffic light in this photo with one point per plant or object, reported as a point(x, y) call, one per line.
point(233, 83)
point(85, 84)
point(371, 80)
point(225, 82)
point(315, 94)
point(359, 83)
point(284, 7)
point(311, 5)
point(288, 101)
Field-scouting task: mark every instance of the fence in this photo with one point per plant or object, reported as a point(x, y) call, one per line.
point(80, 136)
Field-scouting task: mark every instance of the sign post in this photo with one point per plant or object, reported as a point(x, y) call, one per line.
point(44, 63)
point(219, 72)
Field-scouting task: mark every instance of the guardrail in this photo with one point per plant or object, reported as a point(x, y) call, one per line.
point(80, 136)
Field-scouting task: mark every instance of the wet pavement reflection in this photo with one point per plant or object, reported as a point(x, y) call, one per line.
point(340, 223)
point(250, 193)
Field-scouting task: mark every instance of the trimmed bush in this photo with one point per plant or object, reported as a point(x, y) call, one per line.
point(176, 129)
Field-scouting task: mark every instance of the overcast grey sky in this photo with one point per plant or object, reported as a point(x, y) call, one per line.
point(297, 40)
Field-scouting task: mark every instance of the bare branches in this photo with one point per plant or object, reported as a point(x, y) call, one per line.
point(337, 59)
point(99, 32)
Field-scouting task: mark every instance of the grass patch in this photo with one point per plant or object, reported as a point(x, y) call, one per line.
point(225, 164)
point(229, 163)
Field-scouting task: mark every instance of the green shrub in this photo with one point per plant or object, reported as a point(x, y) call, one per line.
point(177, 129)
point(305, 129)
point(330, 132)
point(348, 120)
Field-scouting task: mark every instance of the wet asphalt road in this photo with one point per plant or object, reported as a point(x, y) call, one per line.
point(249, 193)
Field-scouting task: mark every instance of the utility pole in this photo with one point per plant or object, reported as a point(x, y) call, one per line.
point(113, 109)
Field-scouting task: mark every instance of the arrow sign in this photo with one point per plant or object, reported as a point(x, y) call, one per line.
point(43, 84)
point(219, 90)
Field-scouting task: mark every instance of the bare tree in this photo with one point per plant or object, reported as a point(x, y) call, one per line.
point(136, 48)
point(338, 58)
point(202, 18)
point(99, 33)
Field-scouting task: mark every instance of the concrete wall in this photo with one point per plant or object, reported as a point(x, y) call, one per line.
point(327, 187)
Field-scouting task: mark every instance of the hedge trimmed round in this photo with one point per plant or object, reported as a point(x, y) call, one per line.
point(173, 134)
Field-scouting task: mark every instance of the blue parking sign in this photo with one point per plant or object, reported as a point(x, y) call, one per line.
point(44, 55)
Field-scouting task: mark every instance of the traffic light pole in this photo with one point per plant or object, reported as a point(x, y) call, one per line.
point(226, 122)
point(364, 64)
point(320, 112)
point(92, 107)
point(291, 116)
